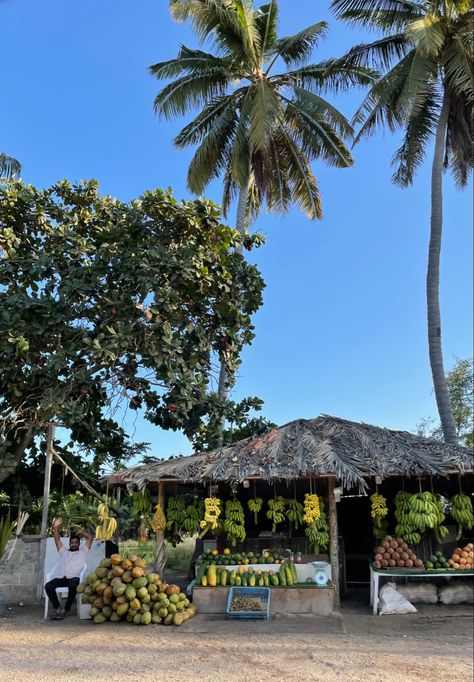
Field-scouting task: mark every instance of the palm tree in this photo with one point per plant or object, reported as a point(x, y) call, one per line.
point(257, 128)
point(9, 167)
point(427, 88)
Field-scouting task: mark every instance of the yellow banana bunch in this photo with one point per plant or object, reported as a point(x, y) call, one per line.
point(378, 506)
point(255, 505)
point(212, 511)
point(275, 513)
point(312, 510)
point(318, 531)
point(158, 520)
point(102, 511)
point(106, 530)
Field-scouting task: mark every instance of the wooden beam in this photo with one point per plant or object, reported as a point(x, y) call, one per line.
point(160, 559)
point(333, 541)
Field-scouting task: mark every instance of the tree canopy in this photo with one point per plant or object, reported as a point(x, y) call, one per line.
point(106, 303)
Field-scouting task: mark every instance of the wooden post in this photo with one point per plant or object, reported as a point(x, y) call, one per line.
point(160, 559)
point(333, 541)
point(44, 516)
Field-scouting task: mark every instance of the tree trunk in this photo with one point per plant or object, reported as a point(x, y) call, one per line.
point(160, 559)
point(333, 541)
point(8, 464)
point(241, 226)
point(432, 281)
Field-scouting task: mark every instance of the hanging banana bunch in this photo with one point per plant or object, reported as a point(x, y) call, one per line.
point(462, 513)
point(212, 511)
point(405, 528)
point(318, 531)
point(141, 503)
point(234, 524)
point(295, 514)
point(145, 524)
point(175, 515)
point(158, 520)
point(276, 509)
point(255, 505)
point(379, 511)
point(312, 510)
point(107, 524)
point(440, 532)
point(192, 516)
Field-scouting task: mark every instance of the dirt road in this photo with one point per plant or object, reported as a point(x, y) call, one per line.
point(352, 647)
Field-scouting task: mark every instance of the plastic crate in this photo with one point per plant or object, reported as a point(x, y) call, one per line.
point(262, 593)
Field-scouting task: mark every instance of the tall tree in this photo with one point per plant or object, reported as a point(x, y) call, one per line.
point(257, 126)
point(105, 304)
point(427, 88)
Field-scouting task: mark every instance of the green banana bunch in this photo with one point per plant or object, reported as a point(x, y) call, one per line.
point(424, 512)
point(234, 524)
point(175, 517)
point(255, 505)
point(406, 527)
point(275, 513)
point(192, 516)
point(462, 513)
point(141, 503)
point(318, 531)
point(295, 513)
point(440, 532)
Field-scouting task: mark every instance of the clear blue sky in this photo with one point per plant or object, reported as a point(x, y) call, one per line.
point(342, 329)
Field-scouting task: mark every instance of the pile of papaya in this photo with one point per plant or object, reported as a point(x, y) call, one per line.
point(216, 576)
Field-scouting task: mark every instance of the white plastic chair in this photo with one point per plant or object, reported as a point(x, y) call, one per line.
point(60, 591)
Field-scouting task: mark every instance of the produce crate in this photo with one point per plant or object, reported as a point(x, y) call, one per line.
point(262, 593)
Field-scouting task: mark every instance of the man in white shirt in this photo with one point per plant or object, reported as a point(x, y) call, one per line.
point(72, 561)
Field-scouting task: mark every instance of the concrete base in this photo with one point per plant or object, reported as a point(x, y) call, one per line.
point(318, 600)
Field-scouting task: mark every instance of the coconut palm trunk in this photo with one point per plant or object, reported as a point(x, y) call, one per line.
point(241, 226)
point(432, 280)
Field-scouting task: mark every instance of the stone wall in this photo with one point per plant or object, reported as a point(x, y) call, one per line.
point(19, 571)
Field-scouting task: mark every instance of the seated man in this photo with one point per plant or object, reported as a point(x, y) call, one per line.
point(72, 561)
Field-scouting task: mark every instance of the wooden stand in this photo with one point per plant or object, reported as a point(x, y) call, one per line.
point(333, 541)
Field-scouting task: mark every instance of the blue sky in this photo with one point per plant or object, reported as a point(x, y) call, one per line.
point(342, 330)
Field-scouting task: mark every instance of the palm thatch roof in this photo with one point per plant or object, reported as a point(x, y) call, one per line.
point(326, 446)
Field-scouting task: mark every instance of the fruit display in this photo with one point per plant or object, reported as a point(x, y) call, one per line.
point(158, 520)
point(437, 562)
point(462, 558)
point(462, 513)
point(108, 524)
point(212, 575)
point(121, 590)
point(239, 558)
point(318, 531)
point(395, 553)
point(234, 524)
point(255, 505)
point(379, 511)
point(276, 509)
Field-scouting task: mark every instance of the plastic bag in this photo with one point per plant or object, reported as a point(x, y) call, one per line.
point(419, 593)
point(392, 602)
point(459, 593)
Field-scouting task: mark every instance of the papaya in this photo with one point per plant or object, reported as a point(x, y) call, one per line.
point(100, 589)
point(293, 568)
point(144, 608)
point(282, 576)
point(174, 599)
point(168, 620)
point(204, 581)
point(261, 582)
point(105, 563)
point(223, 579)
point(130, 592)
point(126, 564)
point(274, 580)
point(142, 592)
point(182, 596)
point(137, 619)
point(266, 579)
point(92, 578)
point(108, 592)
point(163, 612)
point(138, 572)
point(180, 606)
point(93, 611)
point(172, 608)
point(102, 571)
point(119, 590)
point(238, 581)
point(99, 618)
point(172, 589)
point(212, 575)
point(122, 609)
point(186, 616)
point(232, 577)
point(132, 558)
point(246, 579)
point(117, 571)
point(289, 575)
point(115, 559)
point(114, 617)
point(152, 589)
point(155, 618)
point(127, 577)
point(139, 582)
point(178, 619)
point(153, 578)
point(107, 611)
point(140, 563)
point(163, 587)
point(98, 603)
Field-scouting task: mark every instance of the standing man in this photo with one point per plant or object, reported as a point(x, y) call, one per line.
point(72, 561)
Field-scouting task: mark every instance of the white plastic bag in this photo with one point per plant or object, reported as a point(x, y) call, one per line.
point(392, 602)
point(419, 593)
point(457, 593)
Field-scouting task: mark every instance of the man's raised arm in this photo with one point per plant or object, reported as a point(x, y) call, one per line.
point(57, 538)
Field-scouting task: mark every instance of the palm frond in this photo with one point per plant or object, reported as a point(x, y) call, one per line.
point(459, 68)
point(202, 125)
point(330, 75)
point(428, 34)
point(379, 54)
point(388, 15)
point(322, 108)
point(248, 29)
point(277, 190)
point(189, 61)
point(418, 132)
point(459, 148)
point(190, 91)
point(265, 108)
point(297, 49)
point(266, 22)
point(10, 168)
point(241, 148)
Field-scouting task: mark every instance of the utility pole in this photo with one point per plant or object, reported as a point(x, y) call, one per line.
point(44, 518)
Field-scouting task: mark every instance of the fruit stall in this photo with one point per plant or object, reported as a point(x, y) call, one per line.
point(274, 511)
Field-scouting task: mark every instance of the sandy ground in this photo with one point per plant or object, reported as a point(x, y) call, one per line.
point(435, 643)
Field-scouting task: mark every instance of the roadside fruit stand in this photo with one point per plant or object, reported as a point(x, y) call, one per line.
point(272, 505)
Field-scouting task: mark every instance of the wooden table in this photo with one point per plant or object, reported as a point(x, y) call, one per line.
point(375, 575)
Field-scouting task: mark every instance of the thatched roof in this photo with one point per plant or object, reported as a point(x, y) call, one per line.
point(310, 447)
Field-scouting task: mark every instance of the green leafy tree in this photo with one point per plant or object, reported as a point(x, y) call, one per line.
point(460, 381)
point(427, 54)
point(105, 304)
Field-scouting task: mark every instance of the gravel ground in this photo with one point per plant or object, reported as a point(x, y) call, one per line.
point(432, 644)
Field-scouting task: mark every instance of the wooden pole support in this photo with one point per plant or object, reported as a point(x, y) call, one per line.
point(333, 541)
point(160, 559)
